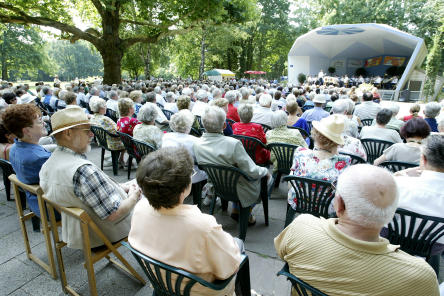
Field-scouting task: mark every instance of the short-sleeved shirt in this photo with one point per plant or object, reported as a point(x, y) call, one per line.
point(403, 152)
point(126, 125)
point(385, 134)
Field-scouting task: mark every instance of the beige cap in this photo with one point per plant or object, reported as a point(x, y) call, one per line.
point(331, 127)
point(68, 118)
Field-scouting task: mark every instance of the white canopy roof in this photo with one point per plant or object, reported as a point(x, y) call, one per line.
point(348, 46)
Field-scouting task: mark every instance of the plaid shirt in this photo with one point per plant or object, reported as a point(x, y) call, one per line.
point(91, 187)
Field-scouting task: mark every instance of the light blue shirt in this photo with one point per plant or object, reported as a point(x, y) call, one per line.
point(315, 114)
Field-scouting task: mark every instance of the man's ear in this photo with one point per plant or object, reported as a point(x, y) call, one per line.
point(339, 205)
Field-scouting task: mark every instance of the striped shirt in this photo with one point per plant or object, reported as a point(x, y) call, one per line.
point(321, 255)
point(367, 110)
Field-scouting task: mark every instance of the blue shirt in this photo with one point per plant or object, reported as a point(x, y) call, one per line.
point(26, 160)
point(433, 124)
point(315, 114)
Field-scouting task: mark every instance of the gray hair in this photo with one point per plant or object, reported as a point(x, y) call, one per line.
point(213, 119)
point(265, 100)
point(245, 92)
point(201, 95)
point(113, 94)
point(93, 91)
point(433, 150)
point(187, 91)
point(279, 118)
point(169, 97)
point(432, 109)
point(216, 93)
point(147, 113)
point(157, 90)
point(394, 108)
point(245, 112)
point(231, 96)
point(350, 106)
point(96, 103)
point(362, 184)
point(182, 121)
point(339, 107)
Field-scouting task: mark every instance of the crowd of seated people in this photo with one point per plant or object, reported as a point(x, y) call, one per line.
point(331, 116)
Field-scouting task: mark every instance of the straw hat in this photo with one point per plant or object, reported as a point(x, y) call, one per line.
point(331, 127)
point(319, 99)
point(68, 118)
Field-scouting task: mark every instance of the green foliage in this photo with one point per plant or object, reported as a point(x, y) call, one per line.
point(434, 63)
point(331, 70)
point(302, 78)
point(21, 51)
point(75, 60)
point(361, 72)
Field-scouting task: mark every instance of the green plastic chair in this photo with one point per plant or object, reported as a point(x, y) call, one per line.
point(367, 122)
point(127, 141)
point(354, 158)
point(142, 149)
point(313, 197)
point(100, 135)
point(224, 180)
point(395, 166)
point(251, 145)
point(301, 287)
point(374, 148)
point(166, 286)
point(265, 127)
point(284, 157)
point(195, 132)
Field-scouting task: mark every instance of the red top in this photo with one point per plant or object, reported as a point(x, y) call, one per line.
point(126, 125)
point(232, 113)
point(407, 118)
point(253, 130)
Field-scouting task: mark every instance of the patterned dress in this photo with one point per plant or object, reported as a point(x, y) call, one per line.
point(109, 125)
point(353, 146)
point(150, 134)
point(307, 164)
point(126, 125)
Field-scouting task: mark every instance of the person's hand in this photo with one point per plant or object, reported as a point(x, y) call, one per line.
point(410, 172)
point(134, 192)
point(125, 186)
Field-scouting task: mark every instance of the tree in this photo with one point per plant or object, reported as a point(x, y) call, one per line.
point(113, 20)
point(21, 50)
point(75, 60)
point(434, 63)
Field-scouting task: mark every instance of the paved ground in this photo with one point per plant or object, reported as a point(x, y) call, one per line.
point(21, 276)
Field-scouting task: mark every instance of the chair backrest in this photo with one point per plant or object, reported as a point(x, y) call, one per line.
point(265, 127)
point(199, 119)
point(231, 122)
point(112, 114)
point(395, 166)
point(313, 196)
point(167, 113)
point(168, 280)
point(328, 109)
point(224, 180)
point(128, 142)
point(374, 148)
point(301, 287)
point(159, 105)
point(367, 122)
point(142, 148)
point(301, 130)
point(354, 158)
point(414, 232)
point(6, 167)
point(195, 132)
point(100, 135)
point(250, 144)
point(284, 155)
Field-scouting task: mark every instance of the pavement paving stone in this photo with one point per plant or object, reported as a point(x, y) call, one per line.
point(15, 274)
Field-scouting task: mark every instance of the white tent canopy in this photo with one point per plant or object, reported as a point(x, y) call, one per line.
point(374, 47)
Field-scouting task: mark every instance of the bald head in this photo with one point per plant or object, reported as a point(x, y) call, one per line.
point(369, 193)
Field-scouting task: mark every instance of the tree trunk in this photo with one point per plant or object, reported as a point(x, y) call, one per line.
point(4, 71)
point(3, 58)
point(202, 55)
point(112, 61)
point(111, 51)
point(147, 61)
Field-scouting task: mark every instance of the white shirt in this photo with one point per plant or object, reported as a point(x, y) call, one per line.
point(160, 100)
point(112, 104)
point(367, 110)
point(178, 139)
point(171, 107)
point(262, 115)
point(199, 108)
point(423, 195)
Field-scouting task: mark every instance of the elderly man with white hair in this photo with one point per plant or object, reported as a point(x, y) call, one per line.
point(431, 111)
point(262, 113)
point(246, 97)
point(170, 104)
point(346, 255)
point(181, 123)
point(215, 148)
point(394, 123)
point(201, 103)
